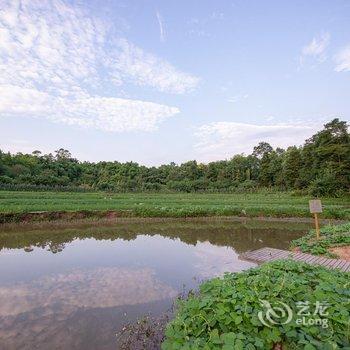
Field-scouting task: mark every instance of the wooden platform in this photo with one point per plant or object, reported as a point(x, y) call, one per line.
point(270, 254)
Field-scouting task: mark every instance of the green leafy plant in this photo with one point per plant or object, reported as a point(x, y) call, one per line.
point(224, 313)
point(331, 236)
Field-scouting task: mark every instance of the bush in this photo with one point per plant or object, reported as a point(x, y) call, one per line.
point(247, 186)
point(225, 312)
point(4, 179)
point(180, 186)
point(104, 186)
point(326, 184)
point(42, 188)
point(151, 186)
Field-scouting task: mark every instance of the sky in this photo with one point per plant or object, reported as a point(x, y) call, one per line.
point(161, 81)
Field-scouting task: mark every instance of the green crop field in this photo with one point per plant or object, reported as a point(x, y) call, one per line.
point(172, 204)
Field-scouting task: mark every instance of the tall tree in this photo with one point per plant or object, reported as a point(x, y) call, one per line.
point(291, 167)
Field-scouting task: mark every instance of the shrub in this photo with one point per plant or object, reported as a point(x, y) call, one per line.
point(42, 188)
point(247, 186)
point(224, 313)
point(326, 184)
point(151, 186)
point(180, 186)
point(4, 179)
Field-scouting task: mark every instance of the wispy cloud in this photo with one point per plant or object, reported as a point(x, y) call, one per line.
point(220, 140)
point(130, 63)
point(342, 59)
point(103, 113)
point(56, 61)
point(316, 48)
point(161, 26)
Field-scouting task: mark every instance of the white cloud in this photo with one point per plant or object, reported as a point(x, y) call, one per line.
point(161, 26)
point(316, 48)
point(220, 140)
point(57, 61)
point(141, 68)
point(103, 113)
point(342, 59)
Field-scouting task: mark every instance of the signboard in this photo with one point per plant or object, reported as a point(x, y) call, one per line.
point(315, 206)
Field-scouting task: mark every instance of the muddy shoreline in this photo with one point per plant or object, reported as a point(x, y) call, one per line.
point(96, 218)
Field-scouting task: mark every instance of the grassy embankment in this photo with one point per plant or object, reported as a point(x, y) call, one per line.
point(15, 206)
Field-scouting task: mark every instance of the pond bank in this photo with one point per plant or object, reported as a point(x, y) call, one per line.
point(113, 216)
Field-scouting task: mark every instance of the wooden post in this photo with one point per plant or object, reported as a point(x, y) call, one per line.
point(315, 208)
point(317, 226)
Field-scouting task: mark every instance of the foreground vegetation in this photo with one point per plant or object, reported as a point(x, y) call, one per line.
point(224, 314)
point(331, 236)
point(321, 167)
point(15, 205)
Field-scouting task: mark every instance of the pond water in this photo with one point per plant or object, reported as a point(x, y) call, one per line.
point(74, 288)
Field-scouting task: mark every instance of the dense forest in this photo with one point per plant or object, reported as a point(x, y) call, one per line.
point(320, 167)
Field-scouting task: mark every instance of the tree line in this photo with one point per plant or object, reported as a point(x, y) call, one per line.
point(320, 167)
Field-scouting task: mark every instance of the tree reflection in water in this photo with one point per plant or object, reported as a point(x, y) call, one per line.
point(78, 298)
point(241, 235)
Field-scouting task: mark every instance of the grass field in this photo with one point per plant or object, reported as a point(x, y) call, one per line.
point(172, 205)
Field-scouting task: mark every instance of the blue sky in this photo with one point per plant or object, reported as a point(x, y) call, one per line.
point(162, 81)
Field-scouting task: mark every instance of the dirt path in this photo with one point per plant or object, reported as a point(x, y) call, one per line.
point(342, 252)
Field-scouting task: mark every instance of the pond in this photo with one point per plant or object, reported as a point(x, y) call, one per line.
point(74, 287)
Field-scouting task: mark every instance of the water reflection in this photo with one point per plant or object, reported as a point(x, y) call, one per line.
point(240, 235)
point(213, 260)
point(73, 288)
point(92, 288)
